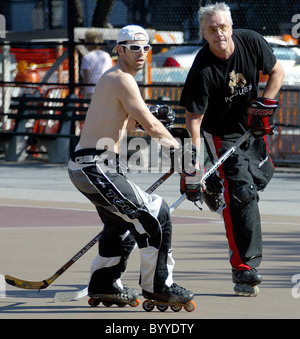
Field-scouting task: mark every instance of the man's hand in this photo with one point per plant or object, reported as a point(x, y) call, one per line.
point(191, 185)
point(260, 116)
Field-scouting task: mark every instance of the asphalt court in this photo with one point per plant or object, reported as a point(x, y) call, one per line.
point(45, 221)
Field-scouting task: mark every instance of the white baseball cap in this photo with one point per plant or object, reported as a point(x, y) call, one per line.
point(131, 32)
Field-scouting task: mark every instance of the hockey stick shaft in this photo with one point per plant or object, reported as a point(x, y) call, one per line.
point(38, 285)
point(226, 155)
point(160, 181)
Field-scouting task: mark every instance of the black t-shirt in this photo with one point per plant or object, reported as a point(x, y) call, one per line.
point(221, 89)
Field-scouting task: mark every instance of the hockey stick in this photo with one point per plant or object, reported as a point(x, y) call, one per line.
point(39, 285)
point(68, 296)
point(74, 295)
point(216, 165)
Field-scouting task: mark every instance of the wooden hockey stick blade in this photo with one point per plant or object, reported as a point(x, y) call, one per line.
point(30, 285)
point(39, 285)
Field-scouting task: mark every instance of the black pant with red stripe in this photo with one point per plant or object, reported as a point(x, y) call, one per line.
point(243, 174)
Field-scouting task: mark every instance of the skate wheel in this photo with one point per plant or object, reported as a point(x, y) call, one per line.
point(147, 306)
point(107, 303)
point(135, 303)
point(237, 291)
point(246, 291)
point(176, 308)
point(190, 306)
point(256, 291)
point(93, 302)
point(162, 308)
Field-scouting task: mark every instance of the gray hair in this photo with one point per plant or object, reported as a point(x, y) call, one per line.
point(211, 10)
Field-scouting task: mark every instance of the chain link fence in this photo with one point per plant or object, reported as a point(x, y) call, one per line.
point(42, 54)
point(172, 21)
point(273, 17)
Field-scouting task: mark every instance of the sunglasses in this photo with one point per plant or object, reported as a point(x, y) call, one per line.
point(213, 30)
point(137, 48)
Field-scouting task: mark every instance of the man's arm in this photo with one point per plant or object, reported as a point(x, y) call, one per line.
point(276, 77)
point(134, 104)
point(193, 125)
point(190, 181)
point(262, 123)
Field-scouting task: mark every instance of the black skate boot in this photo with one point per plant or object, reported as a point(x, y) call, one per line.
point(116, 295)
point(246, 282)
point(174, 296)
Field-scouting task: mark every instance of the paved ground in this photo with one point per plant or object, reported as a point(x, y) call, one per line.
point(45, 221)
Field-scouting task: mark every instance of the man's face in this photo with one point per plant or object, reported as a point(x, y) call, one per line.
point(135, 53)
point(218, 31)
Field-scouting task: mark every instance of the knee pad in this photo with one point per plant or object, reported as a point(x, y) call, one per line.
point(113, 253)
point(114, 245)
point(245, 193)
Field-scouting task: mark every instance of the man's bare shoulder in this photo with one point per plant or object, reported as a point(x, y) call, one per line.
point(121, 83)
point(116, 74)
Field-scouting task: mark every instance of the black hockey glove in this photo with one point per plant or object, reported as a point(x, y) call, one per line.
point(191, 185)
point(260, 116)
point(163, 113)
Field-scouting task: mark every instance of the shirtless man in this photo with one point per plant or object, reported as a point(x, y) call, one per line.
point(129, 214)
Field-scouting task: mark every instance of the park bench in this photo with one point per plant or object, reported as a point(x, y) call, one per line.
point(54, 123)
point(42, 121)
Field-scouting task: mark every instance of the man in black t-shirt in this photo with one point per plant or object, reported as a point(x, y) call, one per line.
point(220, 86)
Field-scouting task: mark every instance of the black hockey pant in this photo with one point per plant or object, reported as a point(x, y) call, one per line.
point(130, 216)
point(242, 175)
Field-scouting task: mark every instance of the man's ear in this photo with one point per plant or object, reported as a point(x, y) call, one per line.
point(120, 49)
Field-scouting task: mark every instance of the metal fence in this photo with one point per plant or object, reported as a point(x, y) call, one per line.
point(43, 42)
point(284, 145)
point(268, 17)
